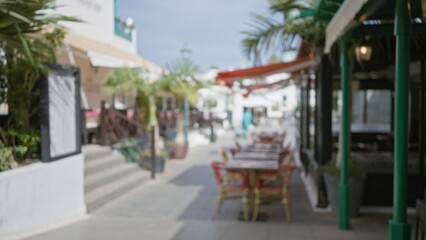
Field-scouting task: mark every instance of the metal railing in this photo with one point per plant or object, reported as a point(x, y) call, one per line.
point(122, 30)
point(115, 125)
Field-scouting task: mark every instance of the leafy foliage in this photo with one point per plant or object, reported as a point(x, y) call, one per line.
point(29, 35)
point(297, 21)
point(179, 79)
point(122, 80)
point(354, 169)
point(6, 157)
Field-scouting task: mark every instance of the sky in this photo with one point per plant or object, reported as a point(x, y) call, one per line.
point(210, 28)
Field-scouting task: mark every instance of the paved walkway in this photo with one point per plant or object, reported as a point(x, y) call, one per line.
point(178, 204)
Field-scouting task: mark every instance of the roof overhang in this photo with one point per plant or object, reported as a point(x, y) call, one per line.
point(227, 78)
point(279, 84)
point(105, 55)
point(350, 14)
point(342, 21)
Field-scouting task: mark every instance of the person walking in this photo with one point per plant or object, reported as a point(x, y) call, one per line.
point(247, 120)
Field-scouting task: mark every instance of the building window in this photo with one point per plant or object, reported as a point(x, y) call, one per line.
point(124, 28)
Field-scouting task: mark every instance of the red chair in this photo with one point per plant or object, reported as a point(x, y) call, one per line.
point(286, 156)
point(274, 185)
point(223, 155)
point(231, 184)
point(234, 151)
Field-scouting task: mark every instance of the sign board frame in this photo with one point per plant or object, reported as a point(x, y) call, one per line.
point(60, 101)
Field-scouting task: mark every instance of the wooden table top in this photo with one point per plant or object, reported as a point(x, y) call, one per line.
point(252, 165)
point(264, 145)
point(257, 156)
point(254, 148)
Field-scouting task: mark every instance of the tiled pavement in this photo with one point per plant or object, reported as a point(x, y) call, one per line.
point(178, 204)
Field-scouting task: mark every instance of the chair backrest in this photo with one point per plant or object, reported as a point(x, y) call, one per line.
point(222, 153)
point(279, 139)
point(225, 176)
point(286, 167)
point(237, 144)
point(286, 156)
point(217, 170)
point(285, 170)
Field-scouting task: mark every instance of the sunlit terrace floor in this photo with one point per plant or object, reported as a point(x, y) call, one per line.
point(178, 205)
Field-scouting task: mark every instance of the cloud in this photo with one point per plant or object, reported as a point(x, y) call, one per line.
point(211, 28)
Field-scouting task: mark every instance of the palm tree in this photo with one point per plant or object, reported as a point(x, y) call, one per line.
point(180, 75)
point(178, 79)
point(297, 20)
point(184, 85)
point(121, 81)
point(127, 80)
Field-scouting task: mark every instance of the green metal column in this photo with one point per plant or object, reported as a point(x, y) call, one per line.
point(186, 120)
point(399, 229)
point(345, 134)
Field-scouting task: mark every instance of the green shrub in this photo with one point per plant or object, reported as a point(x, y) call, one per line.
point(6, 158)
point(354, 169)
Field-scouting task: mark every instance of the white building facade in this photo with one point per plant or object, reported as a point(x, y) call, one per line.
point(101, 42)
point(100, 22)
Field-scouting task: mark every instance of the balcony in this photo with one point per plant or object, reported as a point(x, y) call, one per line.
point(123, 29)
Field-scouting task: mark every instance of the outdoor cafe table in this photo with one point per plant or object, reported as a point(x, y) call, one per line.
point(263, 146)
point(252, 167)
point(257, 148)
point(274, 156)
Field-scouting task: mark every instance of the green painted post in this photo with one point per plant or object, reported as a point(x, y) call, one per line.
point(186, 120)
point(344, 151)
point(399, 229)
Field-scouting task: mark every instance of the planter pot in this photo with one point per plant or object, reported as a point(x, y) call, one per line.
point(145, 163)
point(170, 135)
point(179, 151)
point(356, 190)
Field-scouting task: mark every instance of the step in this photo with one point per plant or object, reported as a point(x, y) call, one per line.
point(101, 164)
point(107, 193)
point(106, 176)
point(93, 151)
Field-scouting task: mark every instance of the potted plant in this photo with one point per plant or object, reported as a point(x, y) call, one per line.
point(182, 83)
point(356, 179)
point(145, 160)
point(178, 148)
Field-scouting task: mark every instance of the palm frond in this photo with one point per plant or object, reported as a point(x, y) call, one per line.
point(267, 33)
point(21, 24)
point(288, 6)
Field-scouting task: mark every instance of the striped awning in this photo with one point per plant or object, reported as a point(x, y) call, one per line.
point(229, 77)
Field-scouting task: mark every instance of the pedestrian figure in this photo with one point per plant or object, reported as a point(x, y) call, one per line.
point(247, 120)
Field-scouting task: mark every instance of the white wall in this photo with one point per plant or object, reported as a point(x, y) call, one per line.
point(237, 110)
point(291, 92)
point(41, 194)
point(98, 21)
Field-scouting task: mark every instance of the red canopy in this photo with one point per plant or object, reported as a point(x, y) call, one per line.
point(227, 78)
point(281, 83)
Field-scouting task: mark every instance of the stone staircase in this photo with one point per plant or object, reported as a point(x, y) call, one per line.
point(108, 176)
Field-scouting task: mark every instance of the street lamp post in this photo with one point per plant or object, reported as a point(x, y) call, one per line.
point(186, 54)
